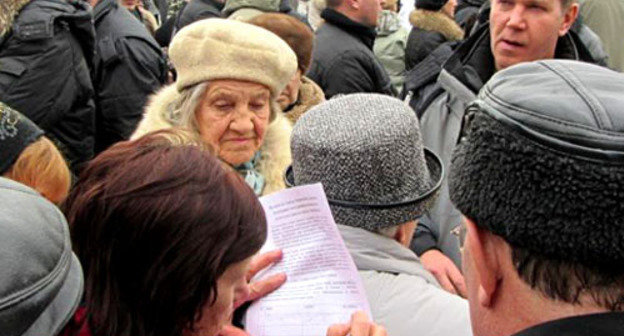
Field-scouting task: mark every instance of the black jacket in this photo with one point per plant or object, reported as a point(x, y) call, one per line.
point(197, 10)
point(343, 60)
point(44, 71)
point(606, 324)
point(129, 66)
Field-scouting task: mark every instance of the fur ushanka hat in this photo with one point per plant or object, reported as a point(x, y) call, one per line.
point(541, 161)
point(228, 49)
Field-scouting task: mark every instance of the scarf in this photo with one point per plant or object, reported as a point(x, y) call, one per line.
point(252, 176)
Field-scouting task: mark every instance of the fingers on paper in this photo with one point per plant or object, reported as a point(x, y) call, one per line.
point(261, 288)
point(263, 261)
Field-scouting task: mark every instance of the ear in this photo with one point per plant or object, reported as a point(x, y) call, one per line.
point(485, 260)
point(353, 4)
point(568, 18)
point(405, 233)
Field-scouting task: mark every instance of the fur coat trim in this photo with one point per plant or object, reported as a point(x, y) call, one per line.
point(9, 9)
point(310, 95)
point(275, 151)
point(438, 22)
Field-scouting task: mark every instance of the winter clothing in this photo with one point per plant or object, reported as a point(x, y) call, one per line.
point(591, 41)
point(366, 151)
point(41, 282)
point(196, 10)
point(299, 37)
point(147, 18)
point(390, 46)
point(275, 151)
point(315, 7)
point(605, 324)
point(310, 95)
point(343, 60)
point(430, 5)
point(430, 30)
point(466, 13)
point(46, 47)
point(16, 133)
point(231, 6)
point(604, 17)
point(462, 76)
point(543, 169)
point(403, 296)
point(129, 66)
point(213, 49)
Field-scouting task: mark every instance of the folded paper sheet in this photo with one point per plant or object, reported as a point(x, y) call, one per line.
point(323, 286)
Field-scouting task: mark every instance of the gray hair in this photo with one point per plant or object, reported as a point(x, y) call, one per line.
point(181, 111)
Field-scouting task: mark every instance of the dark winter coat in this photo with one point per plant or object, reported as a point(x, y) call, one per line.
point(430, 30)
point(343, 60)
point(197, 10)
point(129, 66)
point(461, 78)
point(46, 47)
point(604, 324)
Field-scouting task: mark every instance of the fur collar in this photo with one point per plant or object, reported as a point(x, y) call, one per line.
point(9, 9)
point(310, 95)
point(275, 150)
point(438, 22)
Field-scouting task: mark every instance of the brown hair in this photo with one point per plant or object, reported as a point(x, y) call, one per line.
point(155, 224)
point(298, 36)
point(42, 167)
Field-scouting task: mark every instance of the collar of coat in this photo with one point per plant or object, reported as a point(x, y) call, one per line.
point(364, 33)
point(437, 22)
point(9, 9)
point(310, 95)
point(275, 150)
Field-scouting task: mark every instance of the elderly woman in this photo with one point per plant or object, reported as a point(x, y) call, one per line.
point(301, 93)
point(230, 74)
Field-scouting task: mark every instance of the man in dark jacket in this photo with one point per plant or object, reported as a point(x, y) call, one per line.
point(343, 60)
point(537, 175)
point(129, 66)
point(46, 47)
point(196, 10)
point(518, 32)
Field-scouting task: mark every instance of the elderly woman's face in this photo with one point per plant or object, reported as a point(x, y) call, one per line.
point(233, 117)
point(231, 287)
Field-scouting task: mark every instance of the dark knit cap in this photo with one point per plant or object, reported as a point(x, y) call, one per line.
point(432, 5)
point(16, 133)
point(541, 161)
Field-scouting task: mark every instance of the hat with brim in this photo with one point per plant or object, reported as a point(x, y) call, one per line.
point(367, 152)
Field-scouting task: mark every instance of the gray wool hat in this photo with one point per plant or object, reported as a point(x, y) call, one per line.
point(367, 151)
point(541, 161)
point(41, 281)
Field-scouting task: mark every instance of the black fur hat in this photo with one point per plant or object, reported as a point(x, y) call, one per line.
point(541, 161)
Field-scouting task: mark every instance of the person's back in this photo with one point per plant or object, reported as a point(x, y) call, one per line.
point(366, 151)
point(390, 46)
point(605, 18)
point(46, 47)
point(343, 60)
point(129, 66)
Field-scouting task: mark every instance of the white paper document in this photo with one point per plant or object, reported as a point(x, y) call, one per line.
point(323, 286)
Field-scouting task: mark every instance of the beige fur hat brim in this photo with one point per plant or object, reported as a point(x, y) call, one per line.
point(228, 49)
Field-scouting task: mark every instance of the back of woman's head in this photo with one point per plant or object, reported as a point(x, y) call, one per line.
point(154, 225)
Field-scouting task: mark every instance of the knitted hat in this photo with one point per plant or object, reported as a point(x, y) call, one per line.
point(229, 49)
point(41, 281)
point(367, 152)
point(16, 133)
point(299, 37)
point(432, 5)
point(541, 162)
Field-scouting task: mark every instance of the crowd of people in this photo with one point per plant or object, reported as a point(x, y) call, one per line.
point(471, 151)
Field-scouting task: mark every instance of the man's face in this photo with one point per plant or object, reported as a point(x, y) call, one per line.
point(369, 12)
point(527, 30)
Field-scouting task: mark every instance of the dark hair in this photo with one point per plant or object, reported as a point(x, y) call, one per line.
point(569, 281)
point(155, 224)
point(294, 32)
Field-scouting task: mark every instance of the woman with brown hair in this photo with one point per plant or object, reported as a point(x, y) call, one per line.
point(28, 157)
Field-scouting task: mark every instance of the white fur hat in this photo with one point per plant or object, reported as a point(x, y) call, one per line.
point(229, 49)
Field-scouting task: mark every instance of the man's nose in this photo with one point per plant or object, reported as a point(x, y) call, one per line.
point(517, 19)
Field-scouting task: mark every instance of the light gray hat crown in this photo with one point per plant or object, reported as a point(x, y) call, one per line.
point(366, 150)
point(41, 280)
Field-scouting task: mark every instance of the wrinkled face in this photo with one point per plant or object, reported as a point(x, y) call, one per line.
point(233, 117)
point(369, 12)
point(527, 30)
point(231, 286)
point(290, 94)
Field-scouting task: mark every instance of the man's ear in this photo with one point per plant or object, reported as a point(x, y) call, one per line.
point(569, 17)
point(353, 4)
point(485, 261)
